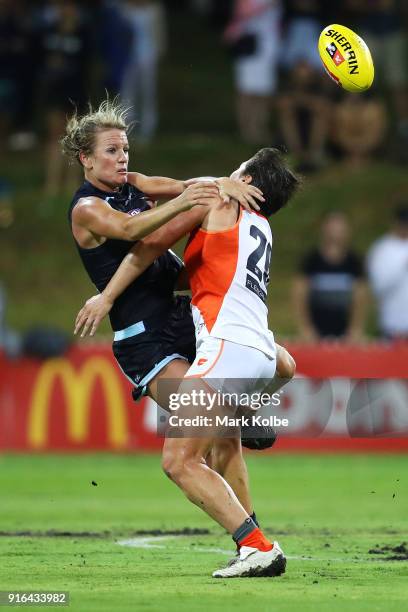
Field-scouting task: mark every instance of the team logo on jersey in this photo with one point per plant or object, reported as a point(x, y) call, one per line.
point(202, 361)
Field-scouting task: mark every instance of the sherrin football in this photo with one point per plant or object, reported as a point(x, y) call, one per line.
point(346, 58)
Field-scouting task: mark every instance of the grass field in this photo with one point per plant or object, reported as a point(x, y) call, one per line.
point(327, 512)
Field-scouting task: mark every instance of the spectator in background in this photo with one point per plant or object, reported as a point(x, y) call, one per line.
point(388, 275)
point(254, 38)
point(329, 292)
point(304, 113)
point(383, 25)
point(303, 24)
point(64, 42)
point(139, 87)
point(303, 105)
point(359, 126)
point(16, 73)
point(114, 39)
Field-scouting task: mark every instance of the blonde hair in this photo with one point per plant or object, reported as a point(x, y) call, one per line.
point(80, 132)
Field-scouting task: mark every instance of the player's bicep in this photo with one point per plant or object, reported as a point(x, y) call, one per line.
point(100, 219)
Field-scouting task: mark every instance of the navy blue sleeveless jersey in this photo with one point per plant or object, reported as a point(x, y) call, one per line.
point(149, 295)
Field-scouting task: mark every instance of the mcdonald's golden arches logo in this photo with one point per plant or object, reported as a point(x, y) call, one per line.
point(77, 386)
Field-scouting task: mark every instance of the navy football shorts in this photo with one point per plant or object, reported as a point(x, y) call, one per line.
point(170, 336)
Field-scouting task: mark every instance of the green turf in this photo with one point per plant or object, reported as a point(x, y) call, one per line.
point(326, 511)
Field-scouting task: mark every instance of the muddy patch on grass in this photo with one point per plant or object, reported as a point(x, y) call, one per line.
point(54, 533)
point(391, 553)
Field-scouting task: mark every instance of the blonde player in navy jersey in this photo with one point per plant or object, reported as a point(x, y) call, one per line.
point(111, 210)
point(227, 259)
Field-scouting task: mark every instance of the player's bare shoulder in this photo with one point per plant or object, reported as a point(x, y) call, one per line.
point(84, 215)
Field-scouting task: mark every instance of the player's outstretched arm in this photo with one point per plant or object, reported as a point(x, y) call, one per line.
point(160, 186)
point(139, 258)
point(95, 216)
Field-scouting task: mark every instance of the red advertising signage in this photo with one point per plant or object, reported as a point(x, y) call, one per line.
point(82, 402)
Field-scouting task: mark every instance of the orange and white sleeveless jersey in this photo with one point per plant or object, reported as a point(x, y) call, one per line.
point(229, 274)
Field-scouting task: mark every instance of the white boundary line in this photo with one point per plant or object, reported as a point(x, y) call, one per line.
point(147, 542)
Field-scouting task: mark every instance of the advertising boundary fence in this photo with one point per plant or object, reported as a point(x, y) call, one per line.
point(82, 402)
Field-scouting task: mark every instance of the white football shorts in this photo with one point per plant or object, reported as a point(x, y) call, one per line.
point(229, 367)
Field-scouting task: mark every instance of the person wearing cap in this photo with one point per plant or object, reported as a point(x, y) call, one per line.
point(388, 275)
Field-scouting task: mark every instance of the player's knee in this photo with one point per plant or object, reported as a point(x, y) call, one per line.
point(286, 365)
point(178, 464)
point(171, 464)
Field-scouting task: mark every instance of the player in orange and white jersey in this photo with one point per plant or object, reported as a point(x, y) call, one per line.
point(228, 270)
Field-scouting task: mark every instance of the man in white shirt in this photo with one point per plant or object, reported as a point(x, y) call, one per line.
point(388, 275)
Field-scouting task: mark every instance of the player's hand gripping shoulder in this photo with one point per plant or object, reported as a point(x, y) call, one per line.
point(229, 188)
point(245, 193)
point(202, 193)
point(92, 313)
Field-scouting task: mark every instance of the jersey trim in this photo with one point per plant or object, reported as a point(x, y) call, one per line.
point(211, 366)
